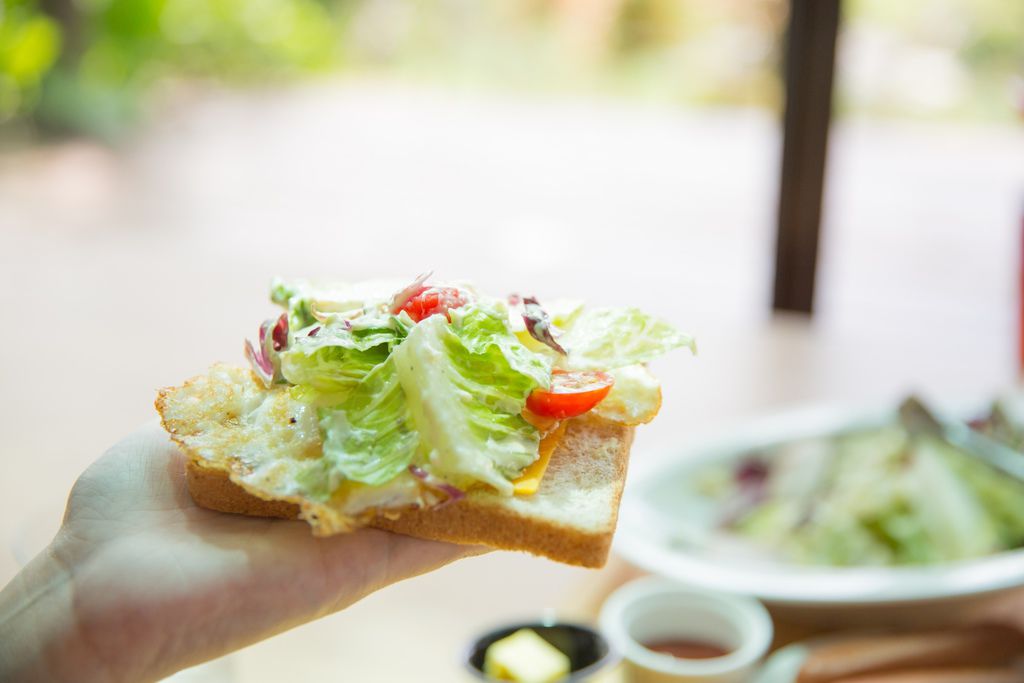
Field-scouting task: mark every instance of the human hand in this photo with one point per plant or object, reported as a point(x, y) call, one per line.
point(140, 582)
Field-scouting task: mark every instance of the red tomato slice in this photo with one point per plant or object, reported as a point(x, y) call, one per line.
point(433, 300)
point(571, 393)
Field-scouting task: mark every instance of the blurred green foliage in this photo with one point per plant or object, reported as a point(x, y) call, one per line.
point(935, 58)
point(85, 65)
point(29, 45)
point(86, 68)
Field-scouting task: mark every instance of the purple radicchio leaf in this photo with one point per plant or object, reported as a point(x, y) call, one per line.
point(261, 365)
point(279, 334)
point(273, 339)
point(751, 476)
point(538, 324)
point(752, 473)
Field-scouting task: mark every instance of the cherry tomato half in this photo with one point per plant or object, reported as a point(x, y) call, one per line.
point(433, 300)
point(571, 393)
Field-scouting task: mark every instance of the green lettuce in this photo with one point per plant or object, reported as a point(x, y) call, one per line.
point(999, 494)
point(448, 398)
point(483, 331)
point(295, 297)
point(337, 358)
point(881, 497)
point(370, 438)
point(607, 338)
point(445, 394)
point(338, 299)
point(466, 384)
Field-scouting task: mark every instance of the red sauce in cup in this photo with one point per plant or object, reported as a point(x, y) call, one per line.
point(688, 649)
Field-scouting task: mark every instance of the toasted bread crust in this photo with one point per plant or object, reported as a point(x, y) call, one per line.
point(476, 520)
point(488, 519)
point(213, 489)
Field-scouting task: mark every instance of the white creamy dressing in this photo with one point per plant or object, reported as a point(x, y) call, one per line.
point(437, 411)
point(635, 397)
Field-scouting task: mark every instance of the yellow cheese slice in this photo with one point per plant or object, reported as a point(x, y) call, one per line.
point(529, 481)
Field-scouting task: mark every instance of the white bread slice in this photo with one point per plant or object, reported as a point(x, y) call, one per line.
point(222, 419)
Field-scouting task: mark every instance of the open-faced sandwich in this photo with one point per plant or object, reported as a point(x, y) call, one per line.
point(429, 410)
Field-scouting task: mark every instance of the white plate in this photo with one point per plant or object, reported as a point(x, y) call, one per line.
point(658, 510)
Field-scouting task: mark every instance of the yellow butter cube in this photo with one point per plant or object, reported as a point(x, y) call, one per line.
point(527, 658)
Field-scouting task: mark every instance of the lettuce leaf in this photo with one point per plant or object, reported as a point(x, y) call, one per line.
point(955, 520)
point(295, 298)
point(609, 338)
point(448, 398)
point(307, 302)
point(483, 331)
point(466, 385)
point(328, 363)
point(370, 438)
point(999, 494)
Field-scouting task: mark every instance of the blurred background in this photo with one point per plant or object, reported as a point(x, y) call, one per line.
point(161, 160)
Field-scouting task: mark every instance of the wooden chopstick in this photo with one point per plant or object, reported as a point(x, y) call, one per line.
point(983, 646)
point(960, 675)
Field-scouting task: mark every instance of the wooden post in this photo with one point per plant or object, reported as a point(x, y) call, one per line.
point(810, 62)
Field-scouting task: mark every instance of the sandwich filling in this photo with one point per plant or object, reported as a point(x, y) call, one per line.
point(383, 398)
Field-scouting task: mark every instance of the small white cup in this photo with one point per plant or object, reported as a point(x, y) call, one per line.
point(653, 609)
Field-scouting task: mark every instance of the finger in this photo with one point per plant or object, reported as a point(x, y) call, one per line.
point(414, 556)
point(367, 560)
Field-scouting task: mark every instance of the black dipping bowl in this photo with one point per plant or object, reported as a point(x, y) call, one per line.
point(587, 649)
